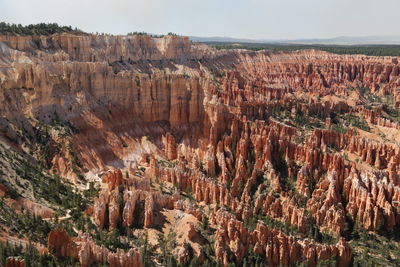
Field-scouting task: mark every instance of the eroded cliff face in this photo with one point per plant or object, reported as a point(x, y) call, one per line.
point(236, 155)
point(93, 48)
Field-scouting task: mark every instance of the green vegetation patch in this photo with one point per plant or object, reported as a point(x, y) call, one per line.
point(32, 256)
point(24, 224)
point(369, 50)
point(36, 29)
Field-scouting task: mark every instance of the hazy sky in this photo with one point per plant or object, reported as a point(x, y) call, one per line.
point(257, 19)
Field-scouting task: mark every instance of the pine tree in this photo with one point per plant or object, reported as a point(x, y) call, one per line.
point(3, 255)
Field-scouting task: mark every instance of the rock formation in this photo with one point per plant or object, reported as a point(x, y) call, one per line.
point(15, 262)
point(279, 150)
point(87, 252)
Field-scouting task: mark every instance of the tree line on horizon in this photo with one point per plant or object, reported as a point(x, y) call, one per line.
point(36, 29)
point(369, 50)
point(54, 28)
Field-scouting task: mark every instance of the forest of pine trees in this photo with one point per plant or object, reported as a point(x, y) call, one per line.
point(369, 50)
point(36, 29)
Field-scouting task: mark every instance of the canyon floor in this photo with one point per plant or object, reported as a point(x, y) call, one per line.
point(142, 151)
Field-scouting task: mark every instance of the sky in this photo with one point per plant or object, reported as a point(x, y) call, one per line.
point(253, 19)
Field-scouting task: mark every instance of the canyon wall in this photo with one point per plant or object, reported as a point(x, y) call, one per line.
point(272, 145)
